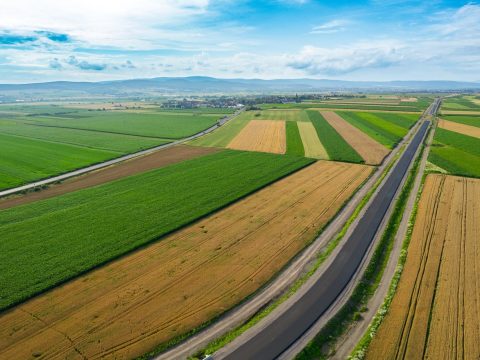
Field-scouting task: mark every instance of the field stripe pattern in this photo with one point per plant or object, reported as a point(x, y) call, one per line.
point(435, 313)
point(311, 142)
point(459, 128)
point(261, 135)
point(371, 151)
point(130, 306)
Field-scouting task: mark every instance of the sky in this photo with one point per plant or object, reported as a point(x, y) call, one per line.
point(371, 40)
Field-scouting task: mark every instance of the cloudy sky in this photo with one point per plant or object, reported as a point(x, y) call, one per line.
point(89, 40)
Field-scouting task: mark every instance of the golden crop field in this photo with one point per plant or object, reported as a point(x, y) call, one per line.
point(261, 135)
point(131, 305)
point(435, 313)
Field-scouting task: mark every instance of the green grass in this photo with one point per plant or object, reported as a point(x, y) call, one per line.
point(462, 119)
point(50, 241)
point(23, 160)
point(285, 114)
point(294, 141)
point(90, 139)
point(409, 107)
point(222, 136)
point(459, 103)
point(456, 153)
point(337, 148)
point(162, 125)
point(387, 129)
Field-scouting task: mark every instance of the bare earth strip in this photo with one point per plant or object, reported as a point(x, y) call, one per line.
point(137, 165)
point(129, 306)
point(370, 150)
point(261, 135)
point(435, 313)
point(459, 128)
point(311, 143)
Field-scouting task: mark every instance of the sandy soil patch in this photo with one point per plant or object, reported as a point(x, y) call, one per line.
point(311, 143)
point(134, 166)
point(370, 150)
point(128, 307)
point(436, 309)
point(410, 99)
point(261, 135)
point(459, 128)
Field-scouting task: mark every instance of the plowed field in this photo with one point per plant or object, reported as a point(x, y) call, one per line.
point(370, 150)
point(435, 313)
point(131, 305)
point(261, 135)
point(459, 128)
point(311, 143)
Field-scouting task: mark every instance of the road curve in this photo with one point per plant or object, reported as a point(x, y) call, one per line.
point(114, 161)
point(289, 326)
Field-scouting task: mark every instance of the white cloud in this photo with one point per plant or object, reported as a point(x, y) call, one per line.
point(330, 27)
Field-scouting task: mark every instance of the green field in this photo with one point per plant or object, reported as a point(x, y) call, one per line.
point(463, 119)
point(459, 103)
point(387, 129)
point(294, 141)
point(40, 141)
point(50, 241)
point(287, 115)
point(23, 159)
point(222, 136)
point(408, 108)
point(336, 147)
point(456, 153)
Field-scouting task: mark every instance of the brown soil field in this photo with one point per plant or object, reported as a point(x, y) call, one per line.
point(261, 135)
point(435, 313)
point(128, 307)
point(459, 128)
point(311, 143)
point(370, 150)
point(130, 167)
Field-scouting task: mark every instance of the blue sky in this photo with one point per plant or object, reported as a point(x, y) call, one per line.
point(87, 40)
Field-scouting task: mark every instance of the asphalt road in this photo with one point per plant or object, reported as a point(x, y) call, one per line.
point(114, 161)
point(281, 333)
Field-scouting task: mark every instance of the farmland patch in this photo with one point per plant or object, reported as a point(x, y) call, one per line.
point(311, 142)
point(261, 135)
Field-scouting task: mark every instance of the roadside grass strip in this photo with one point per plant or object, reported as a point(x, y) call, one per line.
point(190, 277)
point(311, 142)
point(24, 160)
point(459, 128)
point(456, 153)
point(294, 141)
point(337, 148)
point(261, 135)
point(370, 150)
point(222, 136)
point(50, 241)
point(471, 120)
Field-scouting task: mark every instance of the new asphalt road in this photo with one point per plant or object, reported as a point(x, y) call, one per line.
point(280, 334)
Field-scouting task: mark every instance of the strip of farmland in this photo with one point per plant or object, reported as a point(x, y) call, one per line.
point(371, 151)
point(50, 241)
point(129, 306)
point(261, 135)
point(311, 142)
point(459, 128)
point(435, 313)
point(294, 141)
point(138, 165)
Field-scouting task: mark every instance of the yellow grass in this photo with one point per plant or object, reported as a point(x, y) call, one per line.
point(370, 150)
point(261, 135)
point(459, 128)
point(128, 307)
point(311, 143)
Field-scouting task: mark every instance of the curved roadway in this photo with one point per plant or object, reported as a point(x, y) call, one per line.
point(288, 327)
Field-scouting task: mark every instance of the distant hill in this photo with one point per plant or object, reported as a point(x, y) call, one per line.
point(209, 85)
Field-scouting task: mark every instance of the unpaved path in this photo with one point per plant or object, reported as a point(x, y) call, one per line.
point(130, 167)
point(370, 150)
